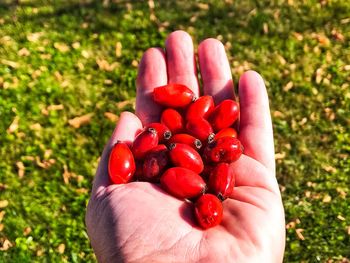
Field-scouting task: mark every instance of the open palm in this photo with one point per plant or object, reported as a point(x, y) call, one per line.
point(138, 222)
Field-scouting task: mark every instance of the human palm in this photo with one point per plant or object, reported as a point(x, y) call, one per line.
point(139, 222)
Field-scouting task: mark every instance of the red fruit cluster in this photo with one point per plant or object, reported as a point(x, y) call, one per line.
point(188, 152)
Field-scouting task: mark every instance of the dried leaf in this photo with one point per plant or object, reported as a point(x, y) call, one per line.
point(82, 191)
point(4, 203)
point(288, 86)
point(76, 45)
point(340, 217)
point(55, 107)
point(111, 116)
point(341, 192)
point(347, 67)
point(108, 82)
point(9, 63)
point(203, 6)
point(327, 199)
point(1, 227)
point(265, 28)
point(27, 231)
point(279, 156)
point(135, 63)
point(61, 248)
point(348, 230)
point(62, 47)
point(299, 234)
point(34, 37)
point(151, 4)
point(337, 35)
point(23, 52)
point(122, 104)
point(104, 65)
point(14, 125)
point(44, 163)
point(5, 244)
point(2, 214)
point(81, 120)
point(21, 169)
point(35, 127)
point(298, 36)
point(278, 114)
point(118, 49)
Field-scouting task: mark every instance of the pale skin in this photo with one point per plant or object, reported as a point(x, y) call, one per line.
point(138, 222)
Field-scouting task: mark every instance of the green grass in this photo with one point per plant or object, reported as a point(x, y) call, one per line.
point(48, 54)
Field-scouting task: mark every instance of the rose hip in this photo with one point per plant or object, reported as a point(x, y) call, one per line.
point(226, 132)
point(182, 155)
point(155, 163)
point(173, 120)
point(200, 128)
point(173, 95)
point(182, 183)
point(186, 139)
point(226, 149)
point(221, 181)
point(145, 141)
point(202, 107)
point(163, 131)
point(224, 115)
point(208, 211)
point(121, 164)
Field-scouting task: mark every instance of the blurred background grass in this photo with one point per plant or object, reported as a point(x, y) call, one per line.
point(68, 68)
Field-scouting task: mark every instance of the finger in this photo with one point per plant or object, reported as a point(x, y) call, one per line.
point(215, 70)
point(181, 62)
point(251, 173)
point(127, 128)
point(255, 121)
point(152, 73)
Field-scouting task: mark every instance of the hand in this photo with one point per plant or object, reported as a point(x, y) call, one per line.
point(138, 222)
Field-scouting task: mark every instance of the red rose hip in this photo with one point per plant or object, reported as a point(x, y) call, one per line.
point(226, 149)
point(186, 139)
point(182, 183)
point(226, 132)
point(182, 155)
point(121, 164)
point(208, 211)
point(202, 107)
point(221, 181)
point(173, 120)
point(199, 128)
point(155, 163)
point(173, 95)
point(163, 131)
point(145, 141)
point(224, 115)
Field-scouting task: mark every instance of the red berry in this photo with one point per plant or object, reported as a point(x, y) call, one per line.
point(221, 181)
point(121, 164)
point(206, 171)
point(163, 131)
point(182, 155)
point(226, 132)
point(202, 107)
point(226, 149)
point(173, 120)
point(182, 183)
point(186, 139)
point(145, 141)
point(155, 163)
point(208, 211)
point(224, 115)
point(199, 128)
point(173, 95)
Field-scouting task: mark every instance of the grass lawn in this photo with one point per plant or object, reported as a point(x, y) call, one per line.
point(65, 66)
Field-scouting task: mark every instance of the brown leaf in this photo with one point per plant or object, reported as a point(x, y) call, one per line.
point(135, 63)
point(81, 120)
point(2, 214)
point(9, 63)
point(111, 116)
point(1, 227)
point(278, 114)
point(122, 104)
point(5, 244)
point(299, 234)
point(348, 230)
point(327, 199)
point(44, 163)
point(265, 28)
point(203, 6)
point(27, 231)
point(34, 37)
point(151, 4)
point(21, 169)
point(35, 127)
point(298, 36)
point(82, 190)
point(61, 248)
point(55, 107)
point(341, 192)
point(340, 217)
point(347, 67)
point(4, 203)
point(337, 35)
point(23, 52)
point(104, 65)
point(67, 175)
point(288, 86)
point(279, 156)
point(14, 125)
point(62, 47)
point(118, 49)
point(76, 45)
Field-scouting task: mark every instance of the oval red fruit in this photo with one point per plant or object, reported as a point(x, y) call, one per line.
point(202, 107)
point(224, 115)
point(186, 139)
point(226, 149)
point(208, 211)
point(121, 164)
point(145, 141)
point(182, 183)
point(163, 131)
point(173, 120)
point(173, 95)
point(221, 181)
point(226, 132)
point(155, 163)
point(182, 155)
point(199, 128)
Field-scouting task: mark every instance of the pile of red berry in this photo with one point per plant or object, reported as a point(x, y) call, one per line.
point(188, 152)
